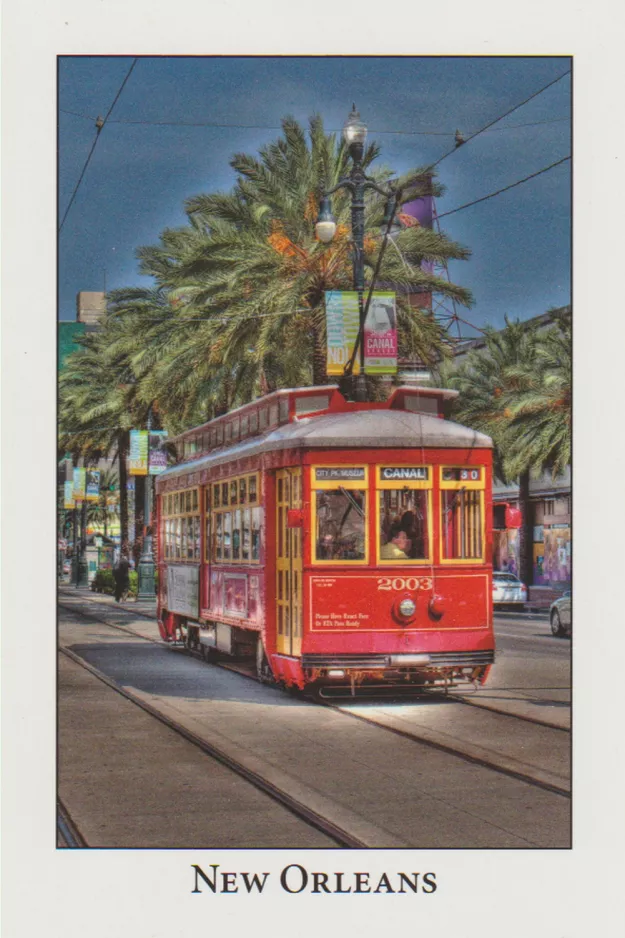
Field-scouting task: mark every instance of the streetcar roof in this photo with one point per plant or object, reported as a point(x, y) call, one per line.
point(364, 429)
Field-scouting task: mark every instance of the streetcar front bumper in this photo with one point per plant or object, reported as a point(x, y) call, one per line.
point(432, 668)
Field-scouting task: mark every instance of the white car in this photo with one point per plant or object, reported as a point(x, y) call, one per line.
point(560, 615)
point(508, 590)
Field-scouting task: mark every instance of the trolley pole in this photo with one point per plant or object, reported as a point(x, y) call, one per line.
point(145, 569)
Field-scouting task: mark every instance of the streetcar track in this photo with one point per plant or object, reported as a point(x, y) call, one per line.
point(508, 769)
point(67, 828)
point(244, 672)
point(333, 831)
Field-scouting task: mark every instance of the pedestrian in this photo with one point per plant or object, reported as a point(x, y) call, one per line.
point(121, 575)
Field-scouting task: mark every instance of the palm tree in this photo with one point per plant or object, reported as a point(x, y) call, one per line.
point(98, 406)
point(518, 390)
point(238, 307)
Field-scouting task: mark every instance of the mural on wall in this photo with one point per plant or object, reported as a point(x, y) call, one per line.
point(506, 551)
point(556, 566)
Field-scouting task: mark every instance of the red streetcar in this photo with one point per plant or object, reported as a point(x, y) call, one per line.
point(340, 543)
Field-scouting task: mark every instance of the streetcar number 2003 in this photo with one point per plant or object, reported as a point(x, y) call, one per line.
point(404, 583)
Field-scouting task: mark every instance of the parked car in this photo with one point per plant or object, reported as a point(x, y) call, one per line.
point(508, 590)
point(560, 615)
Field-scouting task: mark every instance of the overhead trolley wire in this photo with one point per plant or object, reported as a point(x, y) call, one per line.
point(501, 117)
point(373, 130)
point(99, 126)
point(505, 188)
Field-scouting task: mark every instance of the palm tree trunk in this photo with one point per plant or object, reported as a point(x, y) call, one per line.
point(122, 452)
point(526, 531)
point(320, 375)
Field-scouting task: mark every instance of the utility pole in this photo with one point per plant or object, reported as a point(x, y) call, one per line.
point(146, 587)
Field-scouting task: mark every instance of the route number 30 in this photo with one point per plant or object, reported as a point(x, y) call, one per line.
point(404, 583)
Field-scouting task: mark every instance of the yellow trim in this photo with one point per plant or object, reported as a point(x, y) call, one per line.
point(289, 567)
point(394, 563)
point(361, 485)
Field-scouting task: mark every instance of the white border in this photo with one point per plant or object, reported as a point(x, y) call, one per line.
point(148, 893)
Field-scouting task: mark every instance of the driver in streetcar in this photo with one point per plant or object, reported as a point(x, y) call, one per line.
point(397, 546)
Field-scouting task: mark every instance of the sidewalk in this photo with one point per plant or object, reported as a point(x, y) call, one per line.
point(142, 607)
point(541, 597)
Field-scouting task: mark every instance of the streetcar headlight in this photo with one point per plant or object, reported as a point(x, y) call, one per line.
point(407, 607)
point(336, 673)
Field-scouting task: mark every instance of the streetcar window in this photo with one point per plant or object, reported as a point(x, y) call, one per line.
point(246, 534)
point(404, 530)
point(234, 491)
point(254, 422)
point(235, 428)
point(227, 536)
point(194, 501)
point(252, 488)
point(284, 409)
point(462, 525)
point(242, 491)
point(263, 418)
point(256, 533)
point(216, 493)
point(245, 425)
point(340, 524)
point(236, 535)
point(224, 493)
point(219, 540)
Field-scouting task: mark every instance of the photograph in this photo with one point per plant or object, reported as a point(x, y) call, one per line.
point(320, 607)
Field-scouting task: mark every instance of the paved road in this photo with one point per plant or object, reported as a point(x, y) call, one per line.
point(413, 795)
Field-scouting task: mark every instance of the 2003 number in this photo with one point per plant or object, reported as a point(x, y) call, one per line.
point(405, 583)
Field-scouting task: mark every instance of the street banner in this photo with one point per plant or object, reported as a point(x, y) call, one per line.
point(92, 485)
point(138, 453)
point(158, 453)
point(68, 495)
point(381, 335)
point(79, 484)
point(342, 321)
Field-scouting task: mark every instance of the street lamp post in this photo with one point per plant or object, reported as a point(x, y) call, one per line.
point(355, 134)
point(145, 569)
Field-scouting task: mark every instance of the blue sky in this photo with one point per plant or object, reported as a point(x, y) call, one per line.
point(146, 164)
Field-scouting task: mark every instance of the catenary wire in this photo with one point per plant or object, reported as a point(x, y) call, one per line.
point(501, 117)
point(373, 130)
point(97, 136)
point(505, 189)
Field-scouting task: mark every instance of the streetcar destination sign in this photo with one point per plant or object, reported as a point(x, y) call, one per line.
point(339, 473)
point(404, 472)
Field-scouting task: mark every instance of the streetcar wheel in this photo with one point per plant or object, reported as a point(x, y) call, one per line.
point(557, 628)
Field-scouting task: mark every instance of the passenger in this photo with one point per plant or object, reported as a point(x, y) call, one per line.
point(325, 547)
point(121, 576)
point(397, 546)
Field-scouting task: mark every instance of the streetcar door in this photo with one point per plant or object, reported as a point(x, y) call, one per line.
point(288, 564)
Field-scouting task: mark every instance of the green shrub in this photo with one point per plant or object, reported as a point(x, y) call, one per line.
point(103, 582)
point(133, 577)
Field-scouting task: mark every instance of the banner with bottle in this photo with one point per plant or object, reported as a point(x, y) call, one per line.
point(138, 453)
point(157, 452)
point(79, 483)
point(380, 335)
point(92, 485)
